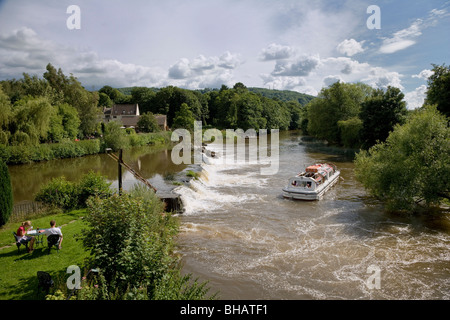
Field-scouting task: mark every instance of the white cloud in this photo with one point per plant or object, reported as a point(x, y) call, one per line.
point(350, 47)
point(329, 80)
point(283, 83)
point(416, 98)
point(229, 60)
point(24, 51)
point(204, 72)
point(381, 78)
point(301, 66)
point(407, 37)
point(276, 52)
point(424, 74)
point(180, 70)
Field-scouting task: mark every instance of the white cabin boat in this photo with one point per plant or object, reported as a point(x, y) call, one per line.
point(312, 183)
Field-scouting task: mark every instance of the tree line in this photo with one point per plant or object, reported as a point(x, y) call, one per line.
point(237, 107)
point(57, 108)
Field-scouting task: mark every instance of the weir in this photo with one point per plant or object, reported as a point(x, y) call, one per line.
point(172, 201)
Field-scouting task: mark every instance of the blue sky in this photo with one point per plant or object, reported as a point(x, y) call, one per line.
point(285, 44)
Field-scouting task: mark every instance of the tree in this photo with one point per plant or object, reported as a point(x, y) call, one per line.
point(184, 118)
point(77, 96)
point(340, 101)
point(104, 100)
point(439, 89)
point(350, 132)
point(147, 123)
point(64, 123)
point(144, 97)
point(6, 196)
point(380, 113)
point(412, 166)
point(31, 118)
point(114, 136)
point(296, 116)
point(5, 110)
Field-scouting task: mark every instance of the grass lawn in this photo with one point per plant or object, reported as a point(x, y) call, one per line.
point(18, 280)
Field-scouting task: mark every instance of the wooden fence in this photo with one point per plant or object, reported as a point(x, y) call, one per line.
point(27, 209)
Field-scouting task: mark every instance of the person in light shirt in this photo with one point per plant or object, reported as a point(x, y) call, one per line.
point(53, 230)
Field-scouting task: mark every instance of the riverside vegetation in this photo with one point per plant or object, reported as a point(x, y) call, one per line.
point(41, 119)
point(129, 239)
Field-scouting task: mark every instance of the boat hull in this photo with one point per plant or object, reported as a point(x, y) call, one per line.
point(296, 194)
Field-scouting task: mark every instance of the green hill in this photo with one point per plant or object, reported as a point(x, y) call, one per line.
point(283, 95)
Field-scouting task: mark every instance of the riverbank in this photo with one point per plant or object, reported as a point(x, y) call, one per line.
point(14, 155)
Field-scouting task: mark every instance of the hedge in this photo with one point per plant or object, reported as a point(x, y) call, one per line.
point(72, 149)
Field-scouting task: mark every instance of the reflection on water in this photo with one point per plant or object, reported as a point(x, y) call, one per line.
point(151, 163)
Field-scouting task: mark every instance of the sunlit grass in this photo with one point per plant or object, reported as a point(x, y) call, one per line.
point(18, 279)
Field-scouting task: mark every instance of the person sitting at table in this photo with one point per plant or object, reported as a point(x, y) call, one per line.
point(22, 235)
point(53, 230)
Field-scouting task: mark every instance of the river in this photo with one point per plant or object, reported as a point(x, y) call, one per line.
point(242, 236)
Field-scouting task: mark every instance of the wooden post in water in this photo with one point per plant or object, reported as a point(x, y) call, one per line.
point(120, 171)
point(172, 201)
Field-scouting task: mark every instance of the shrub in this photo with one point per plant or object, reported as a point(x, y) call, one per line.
point(114, 136)
point(60, 193)
point(131, 242)
point(6, 197)
point(92, 184)
point(69, 195)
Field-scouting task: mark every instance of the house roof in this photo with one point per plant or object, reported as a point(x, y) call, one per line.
point(161, 119)
point(130, 121)
point(125, 109)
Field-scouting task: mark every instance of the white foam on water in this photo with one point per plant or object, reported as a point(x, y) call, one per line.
point(205, 194)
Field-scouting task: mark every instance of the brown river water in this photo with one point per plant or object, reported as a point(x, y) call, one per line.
point(241, 235)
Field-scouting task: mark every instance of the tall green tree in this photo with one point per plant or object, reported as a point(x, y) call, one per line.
point(114, 136)
point(412, 166)
point(439, 88)
point(77, 96)
point(6, 196)
point(64, 123)
point(184, 118)
point(31, 120)
point(340, 101)
point(380, 113)
point(5, 110)
point(144, 97)
point(350, 132)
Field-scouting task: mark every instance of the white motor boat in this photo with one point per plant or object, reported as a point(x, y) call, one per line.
point(312, 183)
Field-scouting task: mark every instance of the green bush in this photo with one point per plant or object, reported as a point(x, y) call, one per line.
point(92, 184)
point(69, 195)
point(6, 197)
point(60, 193)
point(131, 240)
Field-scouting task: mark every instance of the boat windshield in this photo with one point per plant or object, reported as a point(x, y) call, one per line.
point(303, 184)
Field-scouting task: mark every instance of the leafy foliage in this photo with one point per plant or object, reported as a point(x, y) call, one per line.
point(131, 242)
point(60, 193)
point(147, 123)
point(439, 88)
point(6, 196)
point(69, 195)
point(412, 166)
point(184, 118)
point(113, 136)
point(339, 102)
point(380, 113)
